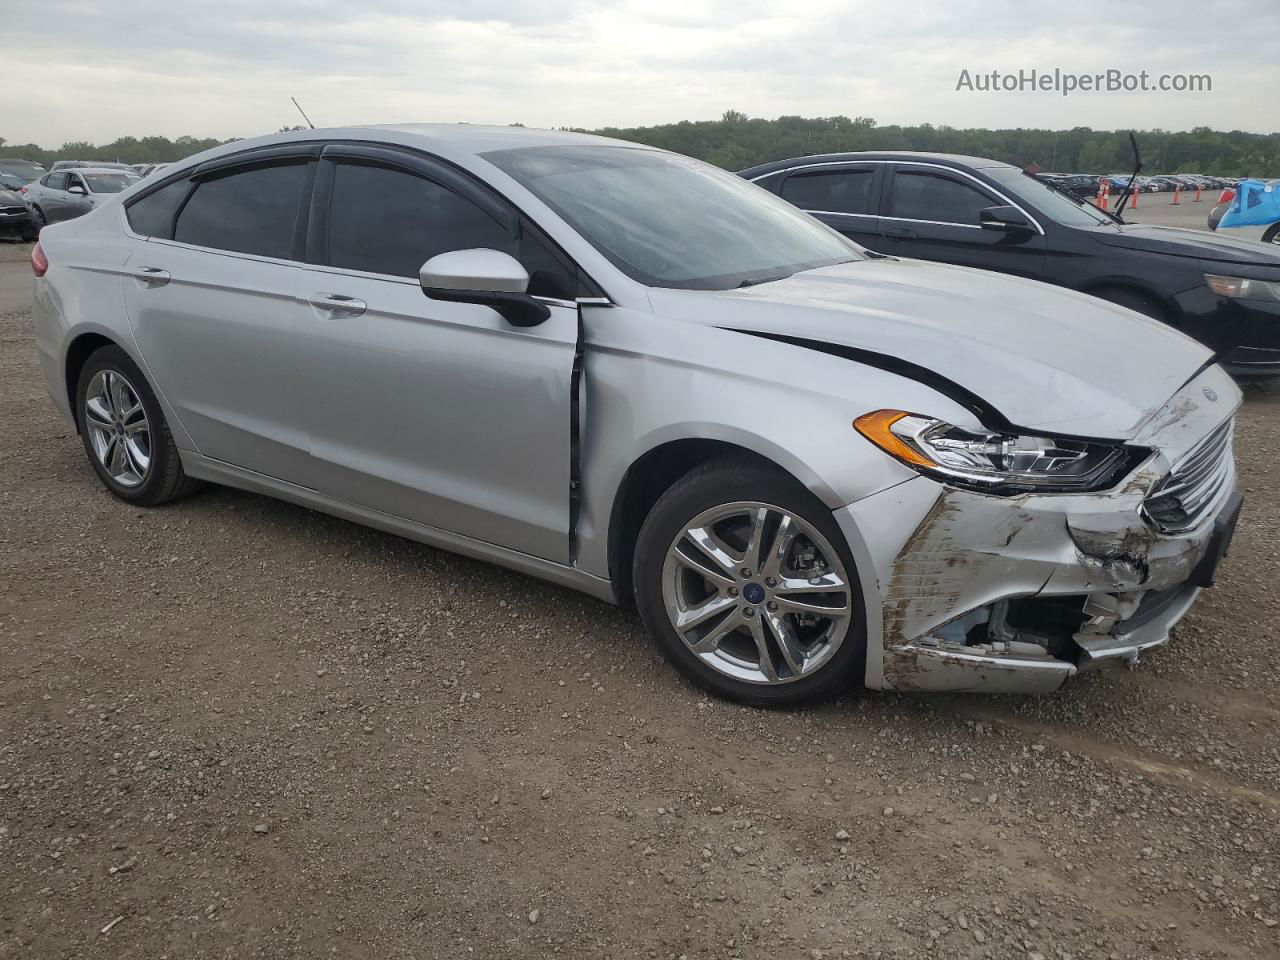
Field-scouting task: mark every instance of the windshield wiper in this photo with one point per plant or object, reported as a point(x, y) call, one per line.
point(758, 280)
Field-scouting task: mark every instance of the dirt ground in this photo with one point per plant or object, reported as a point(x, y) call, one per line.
point(236, 728)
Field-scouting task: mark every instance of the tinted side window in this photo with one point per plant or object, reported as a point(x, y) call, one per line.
point(56, 181)
point(390, 221)
point(835, 191)
point(247, 211)
point(921, 195)
point(152, 215)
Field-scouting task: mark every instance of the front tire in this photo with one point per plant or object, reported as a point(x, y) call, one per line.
point(744, 580)
point(125, 434)
point(1272, 235)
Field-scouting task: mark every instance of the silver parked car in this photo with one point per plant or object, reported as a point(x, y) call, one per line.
point(73, 192)
point(809, 467)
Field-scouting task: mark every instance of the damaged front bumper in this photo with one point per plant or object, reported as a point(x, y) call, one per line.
point(1018, 594)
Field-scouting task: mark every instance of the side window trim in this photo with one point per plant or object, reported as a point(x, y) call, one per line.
point(255, 159)
point(954, 172)
point(316, 251)
point(877, 180)
point(436, 171)
point(943, 173)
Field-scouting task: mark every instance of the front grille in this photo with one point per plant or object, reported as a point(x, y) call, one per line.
point(1180, 501)
point(12, 211)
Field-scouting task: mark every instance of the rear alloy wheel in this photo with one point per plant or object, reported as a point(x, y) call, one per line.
point(119, 434)
point(125, 434)
point(749, 596)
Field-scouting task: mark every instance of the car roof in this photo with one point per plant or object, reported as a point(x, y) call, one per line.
point(125, 170)
point(478, 138)
point(946, 159)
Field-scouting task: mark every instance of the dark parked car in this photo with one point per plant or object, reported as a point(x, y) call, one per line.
point(27, 170)
point(16, 220)
point(982, 213)
point(1080, 185)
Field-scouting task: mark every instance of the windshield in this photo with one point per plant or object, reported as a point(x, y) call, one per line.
point(670, 221)
point(108, 182)
point(1054, 205)
point(10, 182)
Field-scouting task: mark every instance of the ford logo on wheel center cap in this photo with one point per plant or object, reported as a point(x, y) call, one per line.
point(753, 593)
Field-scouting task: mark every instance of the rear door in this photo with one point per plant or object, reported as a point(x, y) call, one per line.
point(932, 213)
point(845, 196)
point(211, 295)
point(53, 200)
point(436, 412)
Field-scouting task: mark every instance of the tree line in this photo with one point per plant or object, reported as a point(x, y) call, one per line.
point(736, 141)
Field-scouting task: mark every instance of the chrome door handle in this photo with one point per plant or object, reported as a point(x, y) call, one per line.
point(338, 304)
point(152, 276)
point(900, 233)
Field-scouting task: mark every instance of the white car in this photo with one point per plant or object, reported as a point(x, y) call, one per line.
point(809, 466)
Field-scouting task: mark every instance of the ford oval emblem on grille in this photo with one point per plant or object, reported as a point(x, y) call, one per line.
point(1210, 395)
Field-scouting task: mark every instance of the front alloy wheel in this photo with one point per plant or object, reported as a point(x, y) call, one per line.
point(743, 578)
point(756, 593)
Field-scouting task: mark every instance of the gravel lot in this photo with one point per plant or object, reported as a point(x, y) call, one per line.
point(236, 728)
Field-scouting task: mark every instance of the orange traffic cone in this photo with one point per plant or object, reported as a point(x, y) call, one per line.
point(1176, 191)
point(1197, 199)
point(1133, 198)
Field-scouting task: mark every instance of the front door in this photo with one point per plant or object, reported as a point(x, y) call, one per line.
point(932, 213)
point(440, 413)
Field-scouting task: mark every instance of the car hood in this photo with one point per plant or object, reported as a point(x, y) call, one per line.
point(1191, 243)
point(1043, 357)
point(11, 198)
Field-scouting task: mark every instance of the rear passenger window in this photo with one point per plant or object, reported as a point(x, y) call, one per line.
point(389, 221)
point(152, 215)
point(248, 211)
point(921, 195)
point(835, 191)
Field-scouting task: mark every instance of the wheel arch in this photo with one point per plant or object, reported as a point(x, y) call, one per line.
point(81, 348)
point(1169, 310)
point(651, 475)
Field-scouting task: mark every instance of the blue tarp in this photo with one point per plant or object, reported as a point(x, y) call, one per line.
point(1257, 204)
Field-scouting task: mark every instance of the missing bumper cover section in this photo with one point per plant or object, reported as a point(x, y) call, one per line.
point(1035, 644)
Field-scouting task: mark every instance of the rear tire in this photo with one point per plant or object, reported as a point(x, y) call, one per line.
point(755, 629)
point(125, 434)
point(1272, 235)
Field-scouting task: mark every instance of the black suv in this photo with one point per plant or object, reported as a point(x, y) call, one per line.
point(982, 213)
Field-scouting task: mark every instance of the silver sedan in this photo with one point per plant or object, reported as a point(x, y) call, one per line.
point(808, 466)
point(73, 192)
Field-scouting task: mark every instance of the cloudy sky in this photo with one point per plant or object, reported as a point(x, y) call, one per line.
point(99, 69)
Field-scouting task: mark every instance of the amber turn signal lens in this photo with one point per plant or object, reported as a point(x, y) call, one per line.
point(875, 427)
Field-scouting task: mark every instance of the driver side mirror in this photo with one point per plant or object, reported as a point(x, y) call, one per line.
point(488, 277)
point(1004, 218)
point(78, 190)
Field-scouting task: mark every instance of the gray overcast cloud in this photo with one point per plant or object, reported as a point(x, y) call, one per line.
point(100, 69)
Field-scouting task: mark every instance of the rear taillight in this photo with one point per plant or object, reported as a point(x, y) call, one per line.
point(1227, 196)
point(39, 262)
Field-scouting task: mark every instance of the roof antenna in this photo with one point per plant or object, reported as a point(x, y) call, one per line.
point(303, 112)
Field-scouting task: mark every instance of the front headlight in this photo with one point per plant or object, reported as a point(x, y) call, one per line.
point(996, 462)
point(1242, 288)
